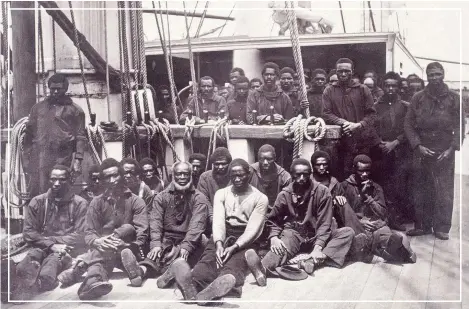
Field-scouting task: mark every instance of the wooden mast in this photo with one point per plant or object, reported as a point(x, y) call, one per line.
point(24, 58)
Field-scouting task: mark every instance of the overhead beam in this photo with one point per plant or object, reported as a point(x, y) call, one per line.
point(180, 13)
point(440, 60)
point(88, 50)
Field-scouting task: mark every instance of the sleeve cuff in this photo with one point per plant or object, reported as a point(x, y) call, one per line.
point(154, 244)
point(320, 242)
point(187, 246)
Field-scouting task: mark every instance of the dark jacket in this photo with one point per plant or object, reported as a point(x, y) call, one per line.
point(373, 208)
point(236, 111)
point(183, 216)
point(46, 223)
point(53, 133)
point(390, 123)
point(208, 186)
point(353, 103)
point(168, 111)
point(315, 103)
point(213, 105)
point(295, 102)
point(257, 100)
point(377, 93)
point(311, 218)
point(106, 214)
point(434, 122)
point(271, 188)
point(144, 192)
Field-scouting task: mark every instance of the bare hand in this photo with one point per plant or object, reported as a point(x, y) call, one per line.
point(117, 241)
point(77, 166)
point(317, 256)
point(278, 118)
point(368, 225)
point(350, 127)
point(184, 254)
point(154, 253)
point(228, 252)
point(340, 200)
point(388, 147)
point(219, 253)
point(445, 154)
point(105, 244)
point(277, 246)
point(425, 152)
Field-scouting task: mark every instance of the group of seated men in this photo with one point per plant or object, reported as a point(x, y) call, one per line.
point(204, 230)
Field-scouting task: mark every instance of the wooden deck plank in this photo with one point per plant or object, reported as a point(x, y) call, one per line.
point(382, 282)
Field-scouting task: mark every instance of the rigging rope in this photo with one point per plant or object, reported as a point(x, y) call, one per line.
point(135, 58)
point(226, 21)
point(201, 20)
point(220, 128)
point(192, 18)
point(41, 53)
point(143, 61)
point(191, 61)
point(54, 51)
point(6, 59)
point(123, 96)
point(106, 54)
point(17, 183)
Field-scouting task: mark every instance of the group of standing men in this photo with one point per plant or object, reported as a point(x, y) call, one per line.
point(204, 230)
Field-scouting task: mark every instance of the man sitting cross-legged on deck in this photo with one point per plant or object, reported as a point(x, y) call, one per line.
point(54, 226)
point(116, 229)
point(301, 220)
point(177, 220)
point(364, 210)
point(238, 219)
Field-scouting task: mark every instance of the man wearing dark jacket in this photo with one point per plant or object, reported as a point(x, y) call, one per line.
point(236, 106)
point(163, 103)
point(94, 186)
point(215, 179)
point(349, 105)
point(151, 176)
point(55, 133)
point(269, 177)
point(367, 214)
point(268, 96)
point(177, 220)
point(198, 162)
point(287, 85)
point(54, 226)
point(391, 157)
point(434, 126)
point(315, 93)
point(376, 91)
point(301, 220)
point(207, 100)
point(132, 172)
point(116, 231)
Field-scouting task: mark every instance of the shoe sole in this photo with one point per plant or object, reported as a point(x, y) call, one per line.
point(183, 276)
point(129, 261)
point(217, 289)
point(255, 266)
point(96, 291)
point(308, 267)
point(76, 274)
point(446, 237)
point(419, 233)
point(165, 279)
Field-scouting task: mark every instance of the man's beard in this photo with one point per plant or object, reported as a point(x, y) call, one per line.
point(182, 188)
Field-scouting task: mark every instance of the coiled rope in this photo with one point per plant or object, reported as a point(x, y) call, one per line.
point(17, 186)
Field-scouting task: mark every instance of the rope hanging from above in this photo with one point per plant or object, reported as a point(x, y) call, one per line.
point(296, 130)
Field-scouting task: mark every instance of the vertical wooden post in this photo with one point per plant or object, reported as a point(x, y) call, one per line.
point(24, 56)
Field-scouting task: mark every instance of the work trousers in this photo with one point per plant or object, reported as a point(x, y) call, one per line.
point(101, 264)
point(336, 248)
point(51, 265)
point(434, 195)
point(206, 270)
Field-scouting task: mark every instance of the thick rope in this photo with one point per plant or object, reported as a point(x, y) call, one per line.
point(143, 61)
point(191, 62)
point(135, 58)
point(192, 18)
point(291, 15)
point(201, 20)
point(123, 97)
point(219, 131)
point(54, 48)
point(16, 163)
point(168, 65)
point(165, 133)
point(296, 130)
point(106, 54)
point(6, 55)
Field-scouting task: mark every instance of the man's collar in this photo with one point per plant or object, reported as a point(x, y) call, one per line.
point(276, 89)
point(68, 196)
point(65, 100)
point(444, 92)
point(125, 192)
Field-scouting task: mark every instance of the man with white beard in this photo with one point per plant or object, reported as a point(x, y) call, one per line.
point(177, 217)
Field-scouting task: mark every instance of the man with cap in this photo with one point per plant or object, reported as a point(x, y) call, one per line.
point(267, 96)
point(198, 162)
point(301, 221)
point(367, 214)
point(349, 105)
point(215, 179)
point(318, 85)
point(391, 157)
point(151, 176)
point(239, 212)
point(236, 106)
point(206, 100)
point(269, 177)
point(177, 220)
point(116, 231)
point(93, 187)
point(434, 126)
point(132, 172)
point(54, 226)
point(55, 134)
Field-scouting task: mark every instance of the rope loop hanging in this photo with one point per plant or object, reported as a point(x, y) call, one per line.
point(297, 129)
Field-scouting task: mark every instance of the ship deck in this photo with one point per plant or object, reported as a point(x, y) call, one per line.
point(435, 277)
